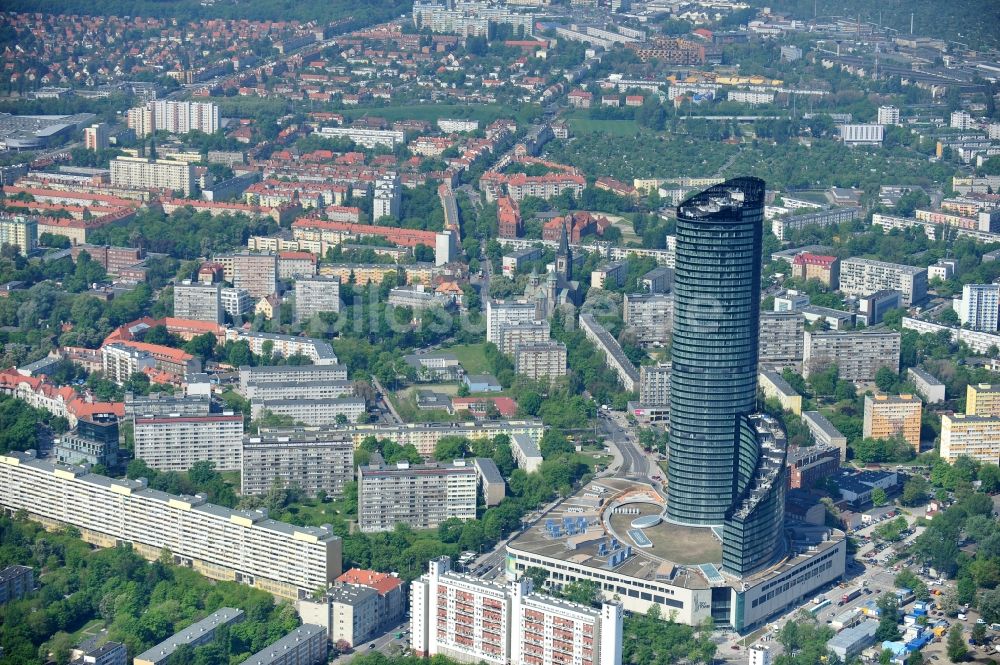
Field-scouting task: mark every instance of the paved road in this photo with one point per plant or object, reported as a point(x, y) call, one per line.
point(384, 643)
point(635, 464)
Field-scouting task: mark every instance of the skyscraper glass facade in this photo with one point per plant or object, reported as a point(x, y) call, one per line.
point(714, 346)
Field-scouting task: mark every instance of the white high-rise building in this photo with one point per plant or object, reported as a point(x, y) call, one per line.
point(500, 313)
point(960, 120)
point(175, 442)
point(888, 115)
point(387, 197)
point(980, 306)
point(143, 173)
point(199, 302)
point(174, 117)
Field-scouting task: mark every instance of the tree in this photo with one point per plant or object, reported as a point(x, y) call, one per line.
point(957, 650)
point(978, 635)
point(886, 379)
point(989, 605)
point(888, 623)
point(584, 592)
point(989, 476)
point(538, 576)
point(879, 497)
point(915, 490)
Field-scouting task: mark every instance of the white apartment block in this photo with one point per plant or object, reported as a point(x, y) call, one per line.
point(888, 115)
point(295, 389)
point(313, 460)
point(120, 362)
point(316, 294)
point(654, 385)
point(928, 386)
point(257, 273)
point(388, 197)
point(19, 231)
point(500, 313)
point(174, 117)
point(960, 120)
point(306, 645)
point(288, 374)
point(977, 437)
point(783, 225)
point(222, 544)
point(857, 354)
point(751, 97)
point(862, 277)
point(979, 308)
point(782, 337)
point(611, 275)
point(526, 453)
point(144, 173)
point(236, 302)
point(425, 436)
point(317, 350)
point(862, 134)
point(614, 357)
point(450, 125)
point(420, 495)
point(471, 19)
point(979, 341)
point(194, 635)
point(368, 138)
point(326, 411)
point(541, 360)
point(473, 621)
point(200, 302)
point(517, 333)
point(649, 316)
point(175, 443)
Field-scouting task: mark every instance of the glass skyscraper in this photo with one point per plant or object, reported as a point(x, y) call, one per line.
point(714, 347)
point(726, 464)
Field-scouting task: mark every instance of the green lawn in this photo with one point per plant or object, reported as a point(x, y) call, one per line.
point(581, 123)
point(310, 512)
point(472, 357)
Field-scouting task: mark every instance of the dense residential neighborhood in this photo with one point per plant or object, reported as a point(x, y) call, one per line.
point(525, 332)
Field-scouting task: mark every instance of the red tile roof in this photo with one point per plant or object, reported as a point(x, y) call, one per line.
point(381, 582)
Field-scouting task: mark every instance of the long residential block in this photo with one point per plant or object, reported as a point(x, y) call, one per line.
point(195, 635)
point(857, 354)
point(175, 443)
point(315, 461)
point(862, 277)
point(614, 356)
point(420, 495)
point(223, 544)
point(425, 436)
point(306, 645)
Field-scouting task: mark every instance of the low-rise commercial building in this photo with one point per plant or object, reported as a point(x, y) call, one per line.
point(315, 461)
point(243, 546)
point(810, 465)
point(420, 495)
point(851, 642)
point(198, 633)
point(888, 416)
point(873, 308)
point(94, 441)
point(175, 443)
point(857, 354)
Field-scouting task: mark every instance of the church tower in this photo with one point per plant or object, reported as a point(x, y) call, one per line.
point(564, 258)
